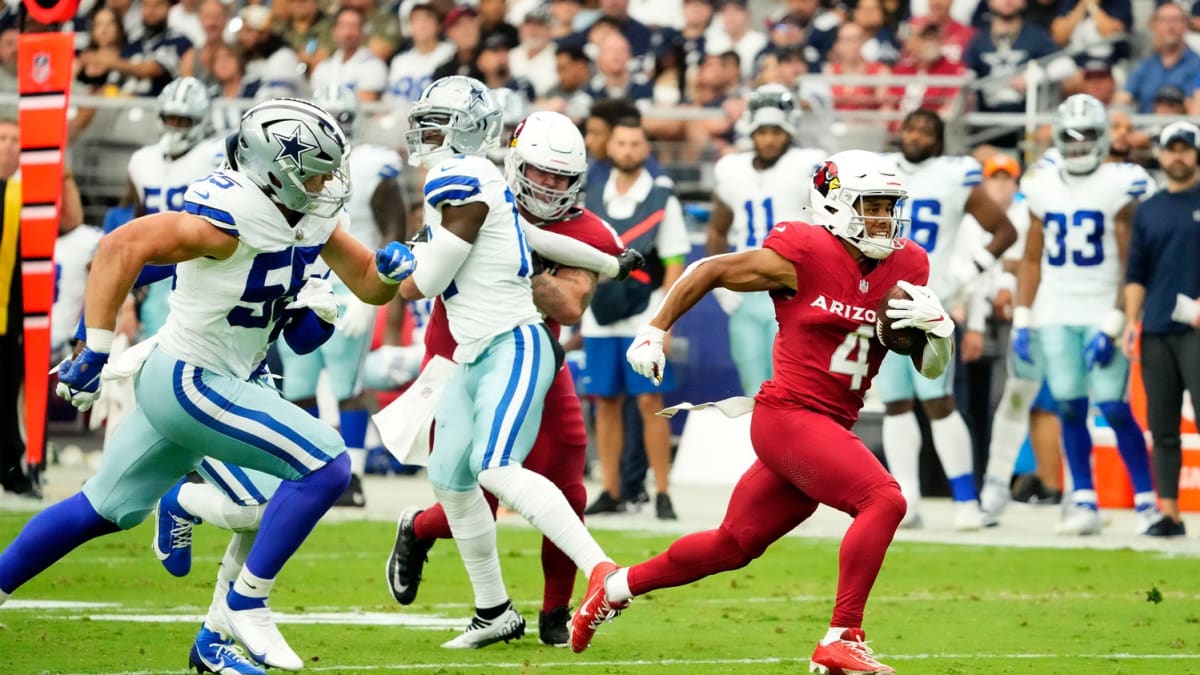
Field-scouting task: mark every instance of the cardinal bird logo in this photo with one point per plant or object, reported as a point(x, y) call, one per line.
point(825, 180)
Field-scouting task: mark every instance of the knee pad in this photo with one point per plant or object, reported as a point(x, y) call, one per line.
point(243, 518)
point(1073, 411)
point(1017, 398)
point(887, 500)
point(749, 543)
point(1118, 414)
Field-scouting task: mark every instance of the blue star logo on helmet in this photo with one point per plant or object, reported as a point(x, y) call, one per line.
point(292, 147)
point(478, 95)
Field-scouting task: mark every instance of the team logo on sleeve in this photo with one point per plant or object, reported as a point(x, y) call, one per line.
point(826, 180)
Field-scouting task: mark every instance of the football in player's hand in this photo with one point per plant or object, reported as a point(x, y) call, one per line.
point(903, 340)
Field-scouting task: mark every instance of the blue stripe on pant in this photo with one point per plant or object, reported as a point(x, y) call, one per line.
point(491, 408)
point(244, 487)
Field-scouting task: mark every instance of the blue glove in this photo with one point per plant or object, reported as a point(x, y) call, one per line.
point(79, 379)
point(395, 262)
point(1099, 351)
point(1022, 344)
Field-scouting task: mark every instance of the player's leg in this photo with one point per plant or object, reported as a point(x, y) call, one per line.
point(1061, 349)
point(605, 383)
point(752, 329)
point(952, 441)
point(656, 431)
point(343, 359)
point(212, 649)
point(1108, 386)
point(901, 432)
point(1010, 426)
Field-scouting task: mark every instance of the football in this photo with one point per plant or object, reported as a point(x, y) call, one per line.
point(904, 341)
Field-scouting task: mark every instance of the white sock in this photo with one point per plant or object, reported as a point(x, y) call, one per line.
point(227, 574)
point(216, 508)
point(833, 635)
point(952, 440)
point(544, 506)
point(1010, 426)
point(1084, 498)
point(474, 532)
point(358, 460)
point(1143, 501)
point(252, 586)
point(902, 447)
point(616, 586)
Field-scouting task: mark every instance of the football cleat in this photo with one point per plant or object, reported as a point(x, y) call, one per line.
point(552, 627)
point(1081, 519)
point(1165, 527)
point(408, 558)
point(173, 533)
point(847, 656)
point(605, 503)
point(259, 635)
point(967, 516)
point(353, 495)
point(993, 499)
point(482, 632)
point(1145, 518)
point(596, 608)
point(213, 654)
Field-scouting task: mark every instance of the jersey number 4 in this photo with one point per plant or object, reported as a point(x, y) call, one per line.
point(850, 358)
point(1089, 223)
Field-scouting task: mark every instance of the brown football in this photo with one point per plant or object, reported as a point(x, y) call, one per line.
point(903, 341)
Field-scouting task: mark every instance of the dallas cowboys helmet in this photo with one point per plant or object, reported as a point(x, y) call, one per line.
point(1081, 133)
point(552, 143)
point(183, 98)
point(455, 115)
point(772, 105)
point(285, 145)
point(340, 102)
point(839, 187)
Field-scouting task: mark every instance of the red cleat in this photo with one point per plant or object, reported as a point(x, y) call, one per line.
point(596, 608)
point(848, 656)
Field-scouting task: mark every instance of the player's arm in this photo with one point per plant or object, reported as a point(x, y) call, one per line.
point(355, 265)
point(569, 251)
point(391, 217)
point(753, 270)
point(440, 258)
point(1029, 277)
point(132, 197)
point(564, 294)
point(993, 219)
point(719, 222)
point(1137, 274)
point(157, 239)
point(1124, 232)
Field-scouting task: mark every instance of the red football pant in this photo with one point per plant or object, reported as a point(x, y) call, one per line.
point(804, 459)
point(559, 453)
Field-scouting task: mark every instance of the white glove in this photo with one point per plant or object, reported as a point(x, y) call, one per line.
point(728, 300)
point(963, 273)
point(357, 318)
point(317, 295)
point(924, 312)
point(645, 355)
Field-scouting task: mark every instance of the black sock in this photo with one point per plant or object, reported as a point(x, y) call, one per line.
point(493, 612)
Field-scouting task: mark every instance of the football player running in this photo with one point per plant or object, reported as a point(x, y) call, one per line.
point(245, 246)
point(825, 356)
point(1080, 213)
point(544, 169)
point(940, 189)
point(754, 190)
point(477, 259)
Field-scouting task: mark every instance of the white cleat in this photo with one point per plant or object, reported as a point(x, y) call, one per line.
point(968, 517)
point(1142, 522)
point(261, 638)
point(480, 633)
point(1080, 520)
point(912, 520)
point(993, 499)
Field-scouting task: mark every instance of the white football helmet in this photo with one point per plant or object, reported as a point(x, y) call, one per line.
point(284, 142)
point(340, 102)
point(839, 186)
point(1081, 133)
point(551, 142)
point(454, 115)
point(772, 105)
point(184, 97)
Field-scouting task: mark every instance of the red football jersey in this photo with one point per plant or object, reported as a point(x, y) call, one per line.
point(826, 353)
point(584, 226)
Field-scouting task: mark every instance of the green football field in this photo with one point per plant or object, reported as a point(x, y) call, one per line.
point(937, 609)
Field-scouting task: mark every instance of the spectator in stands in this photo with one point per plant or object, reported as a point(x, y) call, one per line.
point(895, 14)
point(647, 213)
point(130, 12)
point(880, 43)
point(229, 74)
point(1094, 79)
point(732, 32)
point(184, 18)
point(565, 13)
point(716, 87)
point(1001, 51)
point(198, 61)
point(1127, 144)
point(9, 37)
point(954, 35)
point(105, 34)
point(697, 16)
point(613, 78)
point(412, 69)
point(847, 58)
point(149, 63)
point(925, 54)
point(1169, 100)
point(784, 33)
point(492, 64)
point(381, 29)
point(534, 59)
point(461, 26)
point(352, 65)
point(568, 96)
point(820, 27)
point(1170, 63)
point(1082, 26)
point(635, 32)
point(1039, 13)
point(658, 13)
point(266, 56)
point(307, 31)
point(491, 22)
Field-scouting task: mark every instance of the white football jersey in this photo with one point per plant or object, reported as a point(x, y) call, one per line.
point(412, 71)
point(363, 71)
point(369, 165)
point(1081, 270)
point(224, 313)
point(760, 199)
point(938, 189)
point(160, 181)
point(73, 252)
point(491, 293)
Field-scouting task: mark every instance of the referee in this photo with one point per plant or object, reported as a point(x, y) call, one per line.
point(1162, 266)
